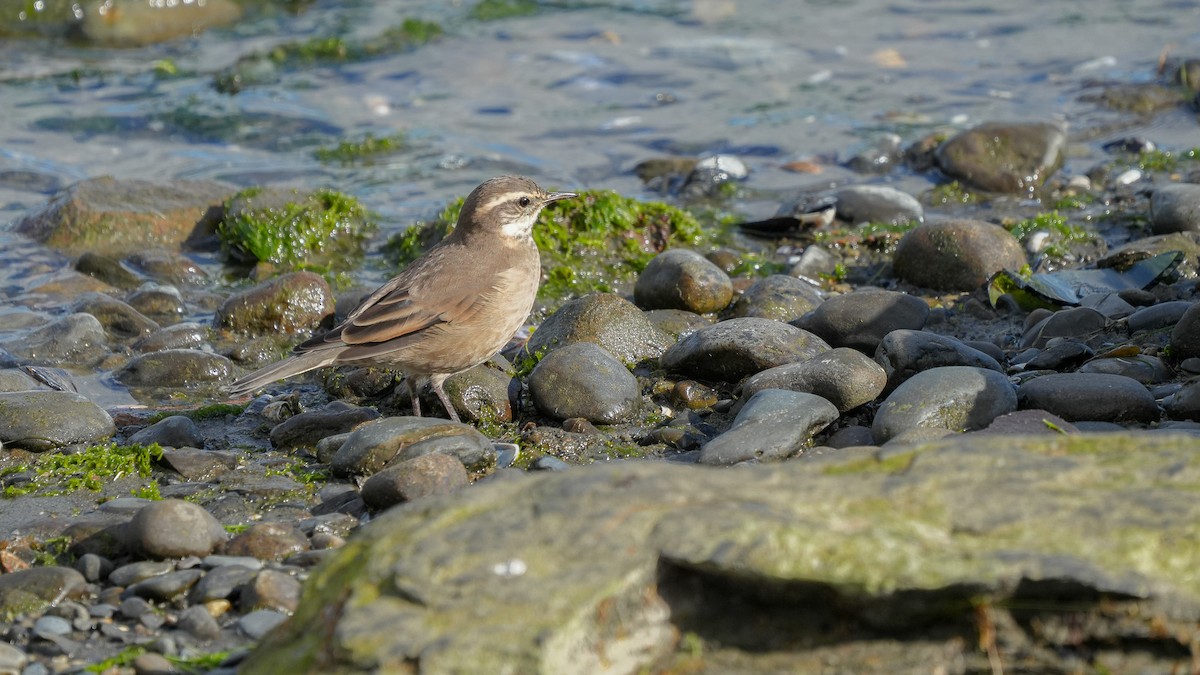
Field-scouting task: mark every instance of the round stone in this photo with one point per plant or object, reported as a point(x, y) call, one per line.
point(583, 380)
point(1079, 397)
point(956, 398)
point(683, 279)
point(173, 528)
point(956, 255)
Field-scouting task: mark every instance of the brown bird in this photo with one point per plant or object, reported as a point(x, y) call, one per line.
point(451, 309)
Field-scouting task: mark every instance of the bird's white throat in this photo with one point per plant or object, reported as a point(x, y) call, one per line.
point(519, 228)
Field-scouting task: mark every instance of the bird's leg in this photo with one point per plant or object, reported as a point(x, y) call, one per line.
point(441, 394)
point(412, 393)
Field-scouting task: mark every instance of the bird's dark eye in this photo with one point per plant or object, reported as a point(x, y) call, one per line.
point(524, 202)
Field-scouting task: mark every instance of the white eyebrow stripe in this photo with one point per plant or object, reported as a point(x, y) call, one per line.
point(500, 199)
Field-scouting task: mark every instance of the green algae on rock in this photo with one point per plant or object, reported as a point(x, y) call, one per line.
point(323, 230)
point(58, 474)
point(609, 564)
point(369, 147)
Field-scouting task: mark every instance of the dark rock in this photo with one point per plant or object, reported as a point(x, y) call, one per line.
point(879, 204)
point(583, 380)
point(175, 368)
point(176, 431)
point(957, 398)
point(132, 573)
point(288, 303)
point(957, 255)
point(309, 427)
point(604, 319)
point(774, 424)
point(221, 583)
point(904, 353)
point(173, 528)
point(843, 376)
point(861, 319)
point(683, 279)
point(42, 420)
point(161, 302)
point(1185, 404)
point(1143, 368)
point(1175, 208)
point(412, 479)
point(377, 444)
point(676, 323)
point(1071, 322)
point(169, 267)
point(107, 269)
point(733, 349)
point(1157, 316)
point(1001, 157)
point(1185, 337)
point(32, 590)
point(198, 465)
point(199, 623)
point(779, 297)
point(1022, 422)
point(113, 217)
point(119, 319)
point(1060, 354)
point(1090, 396)
point(484, 393)
point(166, 587)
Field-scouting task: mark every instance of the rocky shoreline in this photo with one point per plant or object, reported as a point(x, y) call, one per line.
point(961, 404)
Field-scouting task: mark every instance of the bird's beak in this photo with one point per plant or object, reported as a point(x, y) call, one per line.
point(555, 196)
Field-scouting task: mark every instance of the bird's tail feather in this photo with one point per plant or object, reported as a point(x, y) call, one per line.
point(293, 365)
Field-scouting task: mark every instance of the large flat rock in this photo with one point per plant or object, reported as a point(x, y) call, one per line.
point(1054, 553)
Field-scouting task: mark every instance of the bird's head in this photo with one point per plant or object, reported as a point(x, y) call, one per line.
point(507, 206)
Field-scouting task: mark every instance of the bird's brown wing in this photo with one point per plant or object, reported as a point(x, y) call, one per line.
point(427, 293)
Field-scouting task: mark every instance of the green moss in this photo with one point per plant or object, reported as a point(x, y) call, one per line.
point(598, 241)
point(951, 193)
point(52, 551)
point(325, 231)
point(236, 529)
point(196, 664)
point(1165, 160)
point(57, 474)
point(1064, 236)
point(1073, 202)
point(491, 10)
point(263, 67)
point(349, 152)
point(207, 412)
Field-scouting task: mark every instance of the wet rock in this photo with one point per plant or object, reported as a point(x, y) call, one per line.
point(484, 393)
point(1187, 242)
point(949, 535)
point(42, 420)
point(957, 398)
point(198, 465)
point(173, 528)
point(1157, 316)
point(178, 368)
point(1001, 157)
point(814, 262)
point(176, 431)
point(132, 573)
point(843, 376)
point(848, 437)
point(114, 217)
point(604, 319)
point(107, 269)
point(221, 583)
point(258, 623)
point(676, 322)
point(289, 303)
point(1090, 396)
point(1175, 208)
point(309, 427)
point(779, 297)
point(1110, 305)
point(180, 336)
point(860, 320)
point(880, 157)
point(904, 353)
point(412, 479)
point(774, 424)
point(1185, 337)
point(583, 380)
point(93, 567)
point(119, 319)
point(956, 255)
point(1143, 368)
point(731, 350)
point(1071, 322)
point(683, 279)
point(162, 302)
point(710, 173)
point(270, 589)
point(879, 204)
point(267, 541)
point(31, 590)
point(380, 443)
point(75, 340)
point(1185, 404)
point(169, 267)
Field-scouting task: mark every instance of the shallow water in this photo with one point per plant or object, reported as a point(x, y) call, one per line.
point(576, 97)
